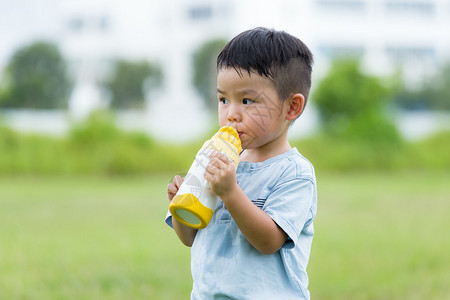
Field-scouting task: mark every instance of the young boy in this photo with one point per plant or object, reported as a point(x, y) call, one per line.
point(258, 241)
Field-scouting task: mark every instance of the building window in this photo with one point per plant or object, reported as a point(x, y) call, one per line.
point(344, 51)
point(357, 5)
point(103, 23)
point(75, 24)
point(407, 54)
point(90, 23)
point(200, 12)
point(407, 7)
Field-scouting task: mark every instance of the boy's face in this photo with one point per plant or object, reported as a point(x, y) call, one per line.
point(251, 105)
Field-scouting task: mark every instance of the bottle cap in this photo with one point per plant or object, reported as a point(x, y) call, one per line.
point(188, 210)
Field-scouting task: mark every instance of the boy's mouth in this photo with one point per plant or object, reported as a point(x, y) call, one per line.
point(240, 133)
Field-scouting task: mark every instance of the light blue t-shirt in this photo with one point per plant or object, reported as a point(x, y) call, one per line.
point(225, 265)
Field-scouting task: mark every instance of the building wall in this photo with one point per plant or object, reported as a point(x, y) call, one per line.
point(385, 34)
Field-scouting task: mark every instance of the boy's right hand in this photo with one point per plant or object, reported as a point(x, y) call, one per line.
point(174, 186)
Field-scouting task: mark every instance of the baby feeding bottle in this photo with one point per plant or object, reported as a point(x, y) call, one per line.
point(194, 203)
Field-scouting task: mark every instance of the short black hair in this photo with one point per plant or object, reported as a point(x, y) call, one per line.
point(277, 55)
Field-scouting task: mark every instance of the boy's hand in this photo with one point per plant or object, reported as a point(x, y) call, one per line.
point(221, 174)
point(185, 234)
point(172, 188)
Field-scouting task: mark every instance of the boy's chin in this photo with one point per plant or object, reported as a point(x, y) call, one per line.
point(245, 146)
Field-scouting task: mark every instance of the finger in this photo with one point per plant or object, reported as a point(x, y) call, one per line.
point(213, 168)
point(171, 188)
point(209, 176)
point(177, 181)
point(223, 160)
point(220, 156)
point(220, 160)
point(216, 168)
point(171, 191)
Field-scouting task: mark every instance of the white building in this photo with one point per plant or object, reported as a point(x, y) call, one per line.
point(385, 34)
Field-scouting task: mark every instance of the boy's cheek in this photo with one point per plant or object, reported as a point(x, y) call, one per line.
point(222, 120)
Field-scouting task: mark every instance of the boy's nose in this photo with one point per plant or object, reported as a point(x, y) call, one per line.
point(234, 115)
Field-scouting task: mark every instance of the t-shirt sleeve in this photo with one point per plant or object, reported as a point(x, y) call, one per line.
point(168, 219)
point(290, 206)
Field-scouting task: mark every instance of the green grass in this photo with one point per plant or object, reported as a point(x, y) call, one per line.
point(382, 236)
point(89, 238)
point(378, 236)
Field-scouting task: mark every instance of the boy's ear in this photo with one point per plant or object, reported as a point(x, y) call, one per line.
point(297, 103)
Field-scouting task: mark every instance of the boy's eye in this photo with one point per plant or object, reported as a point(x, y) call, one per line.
point(223, 100)
point(247, 101)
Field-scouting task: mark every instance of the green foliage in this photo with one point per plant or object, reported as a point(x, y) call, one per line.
point(205, 71)
point(348, 154)
point(101, 148)
point(36, 77)
point(352, 104)
point(433, 152)
point(98, 129)
point(97, 147)
point(346, 93)
point(130, 81)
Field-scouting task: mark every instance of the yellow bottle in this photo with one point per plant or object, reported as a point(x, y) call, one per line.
point(194, 203)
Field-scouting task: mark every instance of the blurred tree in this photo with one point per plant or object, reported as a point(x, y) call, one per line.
point(130, 81)
point(353, 104)
point(205, 71)
point(36, 77)
point(98, 129)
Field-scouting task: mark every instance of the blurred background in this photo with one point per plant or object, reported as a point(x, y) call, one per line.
point(149, 60)
point(102, 102)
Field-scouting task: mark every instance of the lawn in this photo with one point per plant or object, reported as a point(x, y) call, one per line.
point(91, 238)
point(378, 236)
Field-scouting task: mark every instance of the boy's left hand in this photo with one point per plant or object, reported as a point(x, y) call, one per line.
point(220, 173)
